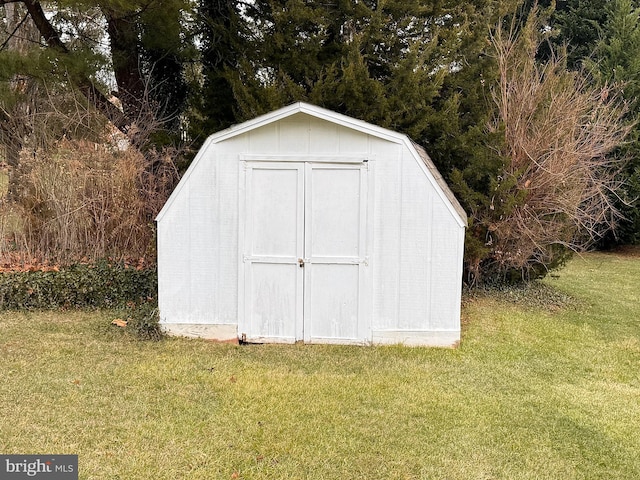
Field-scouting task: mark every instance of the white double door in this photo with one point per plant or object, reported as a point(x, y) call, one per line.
point(304, 253)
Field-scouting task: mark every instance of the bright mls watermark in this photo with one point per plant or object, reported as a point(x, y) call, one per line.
point(48, 467)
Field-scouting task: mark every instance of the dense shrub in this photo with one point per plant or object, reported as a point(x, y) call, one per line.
point(143, 321)
point(103, 284)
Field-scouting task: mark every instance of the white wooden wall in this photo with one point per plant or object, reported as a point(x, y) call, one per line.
point(417, 257)
point(416, 243)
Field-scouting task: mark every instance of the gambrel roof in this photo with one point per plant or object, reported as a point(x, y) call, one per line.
point(416, 150)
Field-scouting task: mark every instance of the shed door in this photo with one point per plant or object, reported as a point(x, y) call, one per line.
point(304, 260)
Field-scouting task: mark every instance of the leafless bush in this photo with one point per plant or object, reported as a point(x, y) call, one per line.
point(84, 201)
point(558, 131)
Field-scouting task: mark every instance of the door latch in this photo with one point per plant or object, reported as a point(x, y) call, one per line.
point(301, 262)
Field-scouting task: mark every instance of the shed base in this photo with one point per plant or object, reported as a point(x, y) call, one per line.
point(229, 333)
point(420, 338)
point(220, 333)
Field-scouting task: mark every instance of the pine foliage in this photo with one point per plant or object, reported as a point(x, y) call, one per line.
point(616, 61)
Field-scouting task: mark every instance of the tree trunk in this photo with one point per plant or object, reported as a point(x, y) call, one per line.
point(123, 36)
point(15, 124)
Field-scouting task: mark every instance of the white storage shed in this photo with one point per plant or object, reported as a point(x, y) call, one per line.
point(308, 225)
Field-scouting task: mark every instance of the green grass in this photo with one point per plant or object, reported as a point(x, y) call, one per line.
point(531, 393)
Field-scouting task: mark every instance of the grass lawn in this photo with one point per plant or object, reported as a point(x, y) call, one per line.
point(532, 392)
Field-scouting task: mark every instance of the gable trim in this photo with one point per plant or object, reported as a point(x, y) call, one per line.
point(337, 158)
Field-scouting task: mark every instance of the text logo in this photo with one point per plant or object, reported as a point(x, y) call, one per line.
point(45, 467)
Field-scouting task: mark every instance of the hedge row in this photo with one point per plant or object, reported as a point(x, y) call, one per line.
point(100, 285)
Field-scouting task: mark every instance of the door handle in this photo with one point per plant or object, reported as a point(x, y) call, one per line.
point(301, 262)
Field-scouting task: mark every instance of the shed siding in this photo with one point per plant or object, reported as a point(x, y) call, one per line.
point(187, 297)
point(322, 137)
point(352, 142)
point(294, 134)
point(173, 270)
point(415, 225)
point(386, 242)
point(301, 134)
point(227, 211)
point(264, 139)
point(415, 237)
point(446, 275)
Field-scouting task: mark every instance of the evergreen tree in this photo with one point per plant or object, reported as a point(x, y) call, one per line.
point(213, 103)
point(389, 62)
point(616, 61)
point(578, 25)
